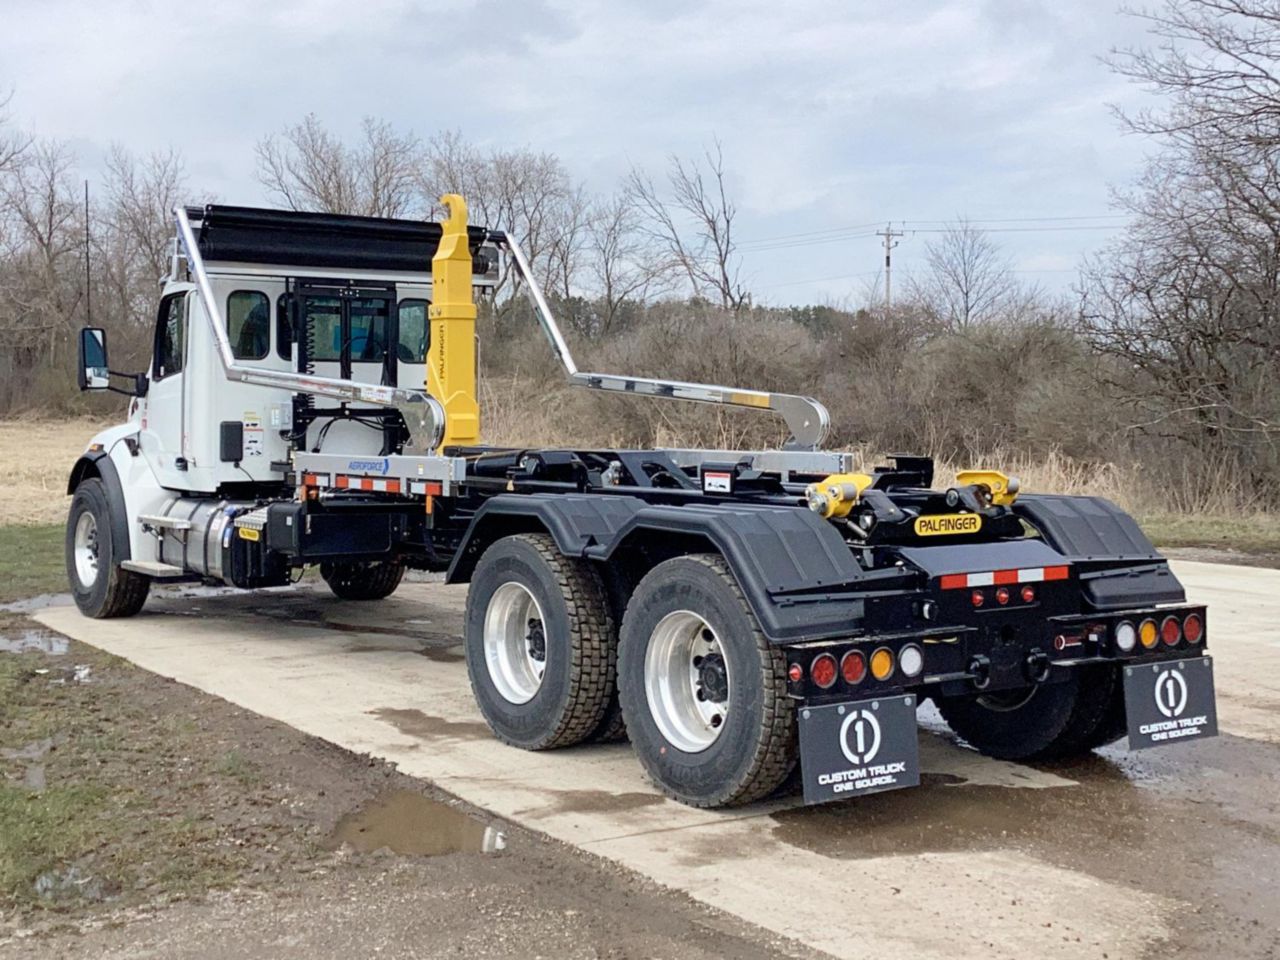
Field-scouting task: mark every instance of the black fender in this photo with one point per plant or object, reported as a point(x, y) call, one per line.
point(793, 567)
point(1117, 565)
point(98, 464)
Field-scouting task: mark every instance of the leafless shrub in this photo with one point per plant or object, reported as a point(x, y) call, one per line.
point(306, 167)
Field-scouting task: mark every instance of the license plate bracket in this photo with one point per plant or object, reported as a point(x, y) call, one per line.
point(865, 746)
point(1171, 701)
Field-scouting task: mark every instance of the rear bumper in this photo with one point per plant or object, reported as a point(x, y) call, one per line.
point(993, 656)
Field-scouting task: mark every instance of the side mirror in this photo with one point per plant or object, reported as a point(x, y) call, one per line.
point(93, 373)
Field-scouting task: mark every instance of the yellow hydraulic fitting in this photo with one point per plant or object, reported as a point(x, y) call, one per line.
point(836, 495)
point(1002, 490)
point(451, 359)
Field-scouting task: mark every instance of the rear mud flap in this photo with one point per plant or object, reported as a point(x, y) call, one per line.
point(1170, 702)
point(848, 749)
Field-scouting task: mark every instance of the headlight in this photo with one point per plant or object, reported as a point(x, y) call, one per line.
point(1126, 637)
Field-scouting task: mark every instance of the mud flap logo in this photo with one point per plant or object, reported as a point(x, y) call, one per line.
point(865, 732)
point(1170, 701)
point(847, 749)
point(1171, 693)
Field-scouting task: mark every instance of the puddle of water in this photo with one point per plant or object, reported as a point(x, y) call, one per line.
point(424, 726)
point(42, 602)
point(36, 641)
point(409, 823)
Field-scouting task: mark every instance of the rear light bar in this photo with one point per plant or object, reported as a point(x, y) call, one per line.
point(1147, 635)
point(996, 578)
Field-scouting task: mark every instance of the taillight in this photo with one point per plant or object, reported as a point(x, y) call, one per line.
point(1126, 636)
point(853, 667)
point(1002, 595)
point(1170, 631)
point(977, 598)
point(1148, 634)
point(823, 670)
point(882, 663)
point(911, 660)
point(795, 673)
point(1193, 628)
point(1028, 594)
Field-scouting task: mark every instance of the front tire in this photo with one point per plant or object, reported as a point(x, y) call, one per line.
point(703, 692)
point(375, 580)
point(541, 646)
point(101, 589)
point(1051, 721)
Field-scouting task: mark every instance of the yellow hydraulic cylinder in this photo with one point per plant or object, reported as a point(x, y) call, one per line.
point(451, 359)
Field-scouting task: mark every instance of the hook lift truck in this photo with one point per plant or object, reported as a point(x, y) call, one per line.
point(311, 400)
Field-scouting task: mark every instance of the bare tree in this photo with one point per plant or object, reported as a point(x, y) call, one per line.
point(133, 240)
point(695, 224)
point(1215, 64)
point(625, 265)
point(1187, 302)
point(307, 167)
point(41, 291)
point(527, 194)
point(969, 279)
point(12, 143)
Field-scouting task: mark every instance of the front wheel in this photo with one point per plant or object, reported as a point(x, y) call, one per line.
point(101, 589)
point(1050, 721)
point(703, 692)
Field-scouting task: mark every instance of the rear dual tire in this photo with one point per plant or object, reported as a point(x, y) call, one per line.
point(540, 644)
point(1051, 721)
point(703, 692)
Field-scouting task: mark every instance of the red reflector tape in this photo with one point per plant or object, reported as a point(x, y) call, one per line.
point(960, 581)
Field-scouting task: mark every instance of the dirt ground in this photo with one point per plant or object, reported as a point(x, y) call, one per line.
point(140, 817)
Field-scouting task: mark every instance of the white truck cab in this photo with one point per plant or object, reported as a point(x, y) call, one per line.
point(359, 290)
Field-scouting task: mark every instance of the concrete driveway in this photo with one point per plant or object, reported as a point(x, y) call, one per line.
point(1173, 852)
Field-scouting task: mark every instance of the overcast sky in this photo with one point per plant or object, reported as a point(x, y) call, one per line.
point(832, 115)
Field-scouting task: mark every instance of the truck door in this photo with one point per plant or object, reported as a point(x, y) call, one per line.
point(164, 425)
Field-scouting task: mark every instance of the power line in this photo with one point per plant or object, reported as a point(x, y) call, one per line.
point(855, 232)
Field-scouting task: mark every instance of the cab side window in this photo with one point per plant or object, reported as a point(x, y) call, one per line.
point(415, 332)
point(171, 336)
point(249, 324)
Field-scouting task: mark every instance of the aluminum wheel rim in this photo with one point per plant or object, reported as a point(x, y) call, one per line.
point(684, 714)
point(85, 549)
point(511, 625)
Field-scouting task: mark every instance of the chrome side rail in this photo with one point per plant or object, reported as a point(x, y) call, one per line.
point(806, 418)
point(422, 413)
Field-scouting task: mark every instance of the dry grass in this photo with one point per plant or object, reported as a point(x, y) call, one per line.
point(37, 456)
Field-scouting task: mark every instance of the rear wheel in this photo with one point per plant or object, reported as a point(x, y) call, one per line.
point(101, 589)
point(541, 646)
point(703, 692)
point(1046, 722)
point(375, 580)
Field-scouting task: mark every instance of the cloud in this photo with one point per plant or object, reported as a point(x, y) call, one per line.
point(830, 114)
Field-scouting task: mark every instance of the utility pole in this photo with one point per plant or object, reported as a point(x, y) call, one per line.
point(890, 242)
